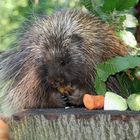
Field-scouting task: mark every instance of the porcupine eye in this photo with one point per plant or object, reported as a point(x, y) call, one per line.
point(63, 63)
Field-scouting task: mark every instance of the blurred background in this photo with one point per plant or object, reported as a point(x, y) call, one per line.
point(13, 13)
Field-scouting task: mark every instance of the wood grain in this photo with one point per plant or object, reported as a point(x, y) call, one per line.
point(75, 124)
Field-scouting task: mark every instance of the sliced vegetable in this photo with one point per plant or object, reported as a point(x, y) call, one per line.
point(128, 38)
point(4, 131)
point(133, 102)
point(93, 102)
point(130, 21)
point(137, 74)
point(114, 102)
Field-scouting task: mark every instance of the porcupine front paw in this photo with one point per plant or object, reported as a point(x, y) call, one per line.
point(56, 100)
point(76, 98)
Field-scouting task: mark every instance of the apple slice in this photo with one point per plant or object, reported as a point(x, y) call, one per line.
point(114, 102)
point(133, 102)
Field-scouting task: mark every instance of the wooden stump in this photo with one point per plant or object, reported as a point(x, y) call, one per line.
point(75, 124)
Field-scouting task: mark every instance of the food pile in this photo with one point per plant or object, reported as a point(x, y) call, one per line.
point(112, 101)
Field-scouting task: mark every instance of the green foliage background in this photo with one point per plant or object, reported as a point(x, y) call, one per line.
point(14, 12)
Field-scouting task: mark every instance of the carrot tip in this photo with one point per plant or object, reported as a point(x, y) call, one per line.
point(93, 101)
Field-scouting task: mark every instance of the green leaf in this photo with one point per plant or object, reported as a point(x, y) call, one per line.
point(125, 4)
point(87, 4)
point(120, 5)
point(100, 85)
point(109, 5)
point(111, 67)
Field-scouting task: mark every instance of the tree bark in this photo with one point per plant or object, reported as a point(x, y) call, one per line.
point(75, 124)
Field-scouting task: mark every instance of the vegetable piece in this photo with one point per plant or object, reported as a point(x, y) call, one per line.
point(130, 21)
point(137, 74)
point(93, 102)
point(133, 102)
point(114, 102)
point(4, 130)
point(128, 38)
point(65, 89)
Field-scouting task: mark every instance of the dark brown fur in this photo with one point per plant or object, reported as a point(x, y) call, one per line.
point(61, 49)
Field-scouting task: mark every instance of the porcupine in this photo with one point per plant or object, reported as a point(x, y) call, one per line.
point(60, 49)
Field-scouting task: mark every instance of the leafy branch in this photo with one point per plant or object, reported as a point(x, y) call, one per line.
point(115, 66)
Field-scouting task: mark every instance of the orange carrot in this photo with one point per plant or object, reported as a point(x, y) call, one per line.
point(93, 101)
point(4, 130)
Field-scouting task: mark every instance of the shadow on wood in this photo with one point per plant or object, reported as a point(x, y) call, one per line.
point(75, 124)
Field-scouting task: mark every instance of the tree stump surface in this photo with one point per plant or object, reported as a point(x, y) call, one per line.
point(75, 124)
